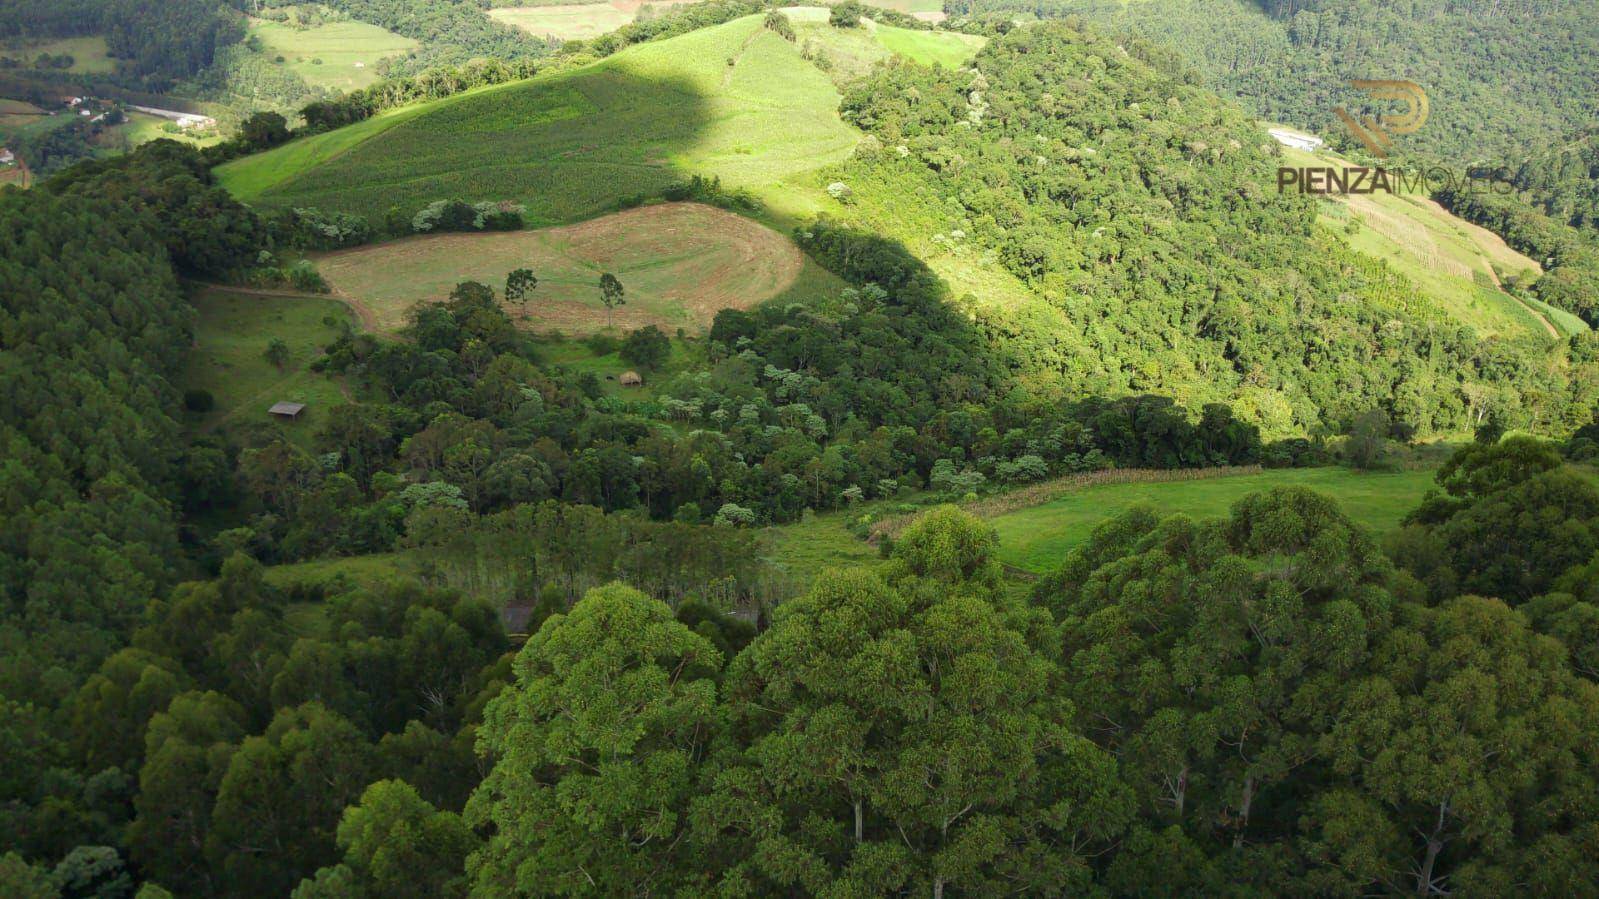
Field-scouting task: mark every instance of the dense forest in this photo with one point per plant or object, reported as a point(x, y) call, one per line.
point(1184, 271)
point(1503, 78)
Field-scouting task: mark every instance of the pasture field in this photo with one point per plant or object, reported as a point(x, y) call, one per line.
point(339, 56)
point(18, 108)
point(735, 101)
point(848, 54)
point(1037, 538)
point(679, 262)
point(141, 128)
point(232, 333)
point(1450, 260)
point(89, 54)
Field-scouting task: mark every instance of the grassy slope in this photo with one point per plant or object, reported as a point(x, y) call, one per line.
point(1438, 252)
point(232, 334)
point(339, 46)
point(89, 54)
point(625, 126)
point(1038, 538)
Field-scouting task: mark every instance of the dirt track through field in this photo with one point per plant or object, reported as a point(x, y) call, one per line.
point(679, 263)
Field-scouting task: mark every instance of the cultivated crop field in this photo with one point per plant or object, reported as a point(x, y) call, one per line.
point(735, 101)
point(679, 262)
point(231, 336)
point(337, 55)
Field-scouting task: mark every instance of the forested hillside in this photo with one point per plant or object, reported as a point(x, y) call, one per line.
point(1137, 214)
point(1503, 78)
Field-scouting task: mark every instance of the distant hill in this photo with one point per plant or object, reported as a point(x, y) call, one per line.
point(1503, 78)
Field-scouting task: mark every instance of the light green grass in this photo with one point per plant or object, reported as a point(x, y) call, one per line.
point(356, 570)
point(1444, 256)
point(1038, 538)
point(89, 54)
point(141, 128)
point(577, 21)
point(249, 178)
point(946, 48)
point(349, 51)
point(625, 126)
point(232, 334)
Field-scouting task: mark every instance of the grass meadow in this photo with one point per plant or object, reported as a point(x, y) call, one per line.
point(89, 54)
point(231, 335)
point(340, 56)
point(1037, 538)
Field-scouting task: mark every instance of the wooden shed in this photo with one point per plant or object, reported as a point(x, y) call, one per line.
point(287, 410)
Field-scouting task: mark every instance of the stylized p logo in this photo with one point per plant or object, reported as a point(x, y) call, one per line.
point(1376, 131)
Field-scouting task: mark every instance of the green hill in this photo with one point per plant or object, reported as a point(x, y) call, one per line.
point(734, 100)
point(1109, 225)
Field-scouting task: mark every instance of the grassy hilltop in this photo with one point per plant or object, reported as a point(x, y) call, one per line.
point(735, 101)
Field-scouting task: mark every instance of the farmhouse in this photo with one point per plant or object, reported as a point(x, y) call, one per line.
point(7, 157)
point(184, 119)
point(288, 410)
point(1296, 139)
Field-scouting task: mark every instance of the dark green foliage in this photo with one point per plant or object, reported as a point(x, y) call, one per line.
point(206, 231)
point(166, 41)
point(1502, 79)
point(1509, 522)
point(647, 348)
point(93, 327)
point(1055, 157)
point(846, 14)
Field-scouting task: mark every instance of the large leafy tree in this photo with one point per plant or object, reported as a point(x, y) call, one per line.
point(1467, 762)
point(907, 734)
point(595, 752)
point(1210, 657)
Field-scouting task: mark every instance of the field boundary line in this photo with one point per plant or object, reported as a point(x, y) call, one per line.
point(1051, 490)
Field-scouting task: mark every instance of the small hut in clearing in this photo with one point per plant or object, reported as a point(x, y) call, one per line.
point(288, 410)
point(630, 379)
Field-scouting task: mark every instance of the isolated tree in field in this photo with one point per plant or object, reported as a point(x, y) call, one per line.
point(647, 347)
point(277, 353)
point(777, 22)
point(597, 748)
point(519, 286)
point(611, 295)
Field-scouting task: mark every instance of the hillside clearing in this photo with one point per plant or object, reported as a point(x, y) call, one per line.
point(340, 56)
point(577, 21)
point(1038, 538)
point(679, 262)
point(232, 332)
point(89, 54)
point(1450, 260)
